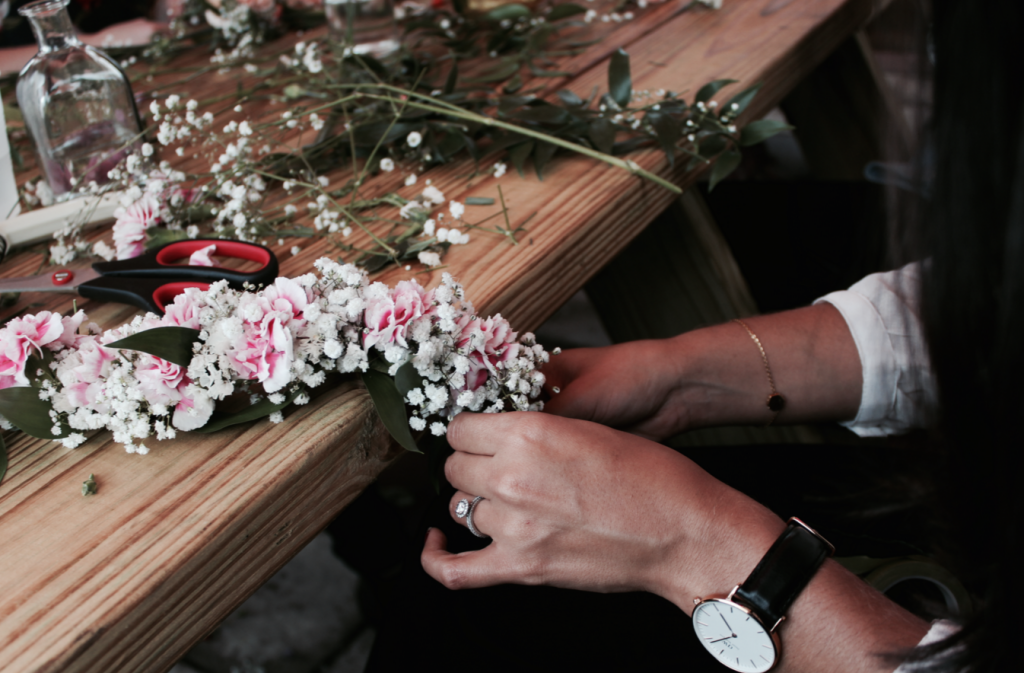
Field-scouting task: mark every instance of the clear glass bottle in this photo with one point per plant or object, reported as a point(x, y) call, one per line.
point(77, 104)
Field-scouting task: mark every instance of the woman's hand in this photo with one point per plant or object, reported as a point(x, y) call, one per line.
point(629, 386)
point(714, 376)
point(573, 504)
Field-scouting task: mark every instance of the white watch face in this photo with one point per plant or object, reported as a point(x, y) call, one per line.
point(734, 636)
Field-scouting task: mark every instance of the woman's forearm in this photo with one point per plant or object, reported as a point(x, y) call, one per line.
point(721, 377)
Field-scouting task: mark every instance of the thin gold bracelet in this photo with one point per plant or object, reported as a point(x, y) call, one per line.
point(775, 402)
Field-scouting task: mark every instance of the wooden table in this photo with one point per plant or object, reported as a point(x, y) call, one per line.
point(129, 579)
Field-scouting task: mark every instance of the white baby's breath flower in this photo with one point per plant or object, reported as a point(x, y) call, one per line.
point(414, 139)
point(101, 249)
point(500, 169)
point(433, 195)
point(429, 258)
point(410, 180)
point(387, 165)
point(457, 209)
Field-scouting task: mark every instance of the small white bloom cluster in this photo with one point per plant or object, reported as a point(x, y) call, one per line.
point(177, 122)
point(273, 346)
point(307, 58)
point(236, 23)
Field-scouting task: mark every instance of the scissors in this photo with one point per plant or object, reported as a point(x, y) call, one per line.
point(151, 281)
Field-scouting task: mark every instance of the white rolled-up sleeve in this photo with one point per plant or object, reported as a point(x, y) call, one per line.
point(883, 314)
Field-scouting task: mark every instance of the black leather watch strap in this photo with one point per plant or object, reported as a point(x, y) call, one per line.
point(783, 572)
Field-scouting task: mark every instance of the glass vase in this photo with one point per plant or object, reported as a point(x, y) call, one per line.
point(77, 104)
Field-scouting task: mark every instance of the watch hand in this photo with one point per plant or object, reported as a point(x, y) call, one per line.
point(727, 626)
point(721, 639)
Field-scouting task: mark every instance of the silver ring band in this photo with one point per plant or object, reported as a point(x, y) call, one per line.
point(469, 518)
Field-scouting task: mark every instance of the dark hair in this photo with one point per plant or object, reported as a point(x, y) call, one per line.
point(971, 232)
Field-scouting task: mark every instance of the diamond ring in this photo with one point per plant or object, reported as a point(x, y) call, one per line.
point(469, 517)
point(462, 509)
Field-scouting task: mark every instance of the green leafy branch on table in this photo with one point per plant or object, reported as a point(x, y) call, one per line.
point(414, 111)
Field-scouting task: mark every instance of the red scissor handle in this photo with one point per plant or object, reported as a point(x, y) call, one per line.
point(166, 293)
point(160, 264)
point(179, 250)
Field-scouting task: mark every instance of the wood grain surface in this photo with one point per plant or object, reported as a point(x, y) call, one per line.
point(128, 579)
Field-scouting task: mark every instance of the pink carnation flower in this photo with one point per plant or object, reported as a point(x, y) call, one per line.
point(19, 338)
point(84, 382)
point(488, 342)
point(184, 310)
point(191, 413)
point(130, 228)
point(265, 355)
point(70, 336)
point(286, 300)
point(201, 257)
point(158, 379)
point(388, 317)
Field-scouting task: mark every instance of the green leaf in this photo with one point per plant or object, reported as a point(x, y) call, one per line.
point(541, 72)
point(173, 344)
point(514, 84)
point(724, 165)
point(502, 72)
point(541, 156)
point(158, 237)
point(3, 458)
point(407, 378)
point(453, 78)
point(510, 12)
point(710, 89)
point(566, 9)
point(544, 113)
point(602, 133)
point(761, 130)
point(711, 146)
point(390, 407)
point(219, 421)
point(569, 98)
point(742, 100)
point(297, 232)
point(538, 38)
point(479, 201)
point(23, 408)
point(620, 84)
point(668, 130)
point(518, 155)
point(34, 363)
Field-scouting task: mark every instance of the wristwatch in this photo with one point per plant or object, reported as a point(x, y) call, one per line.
point(740, 630)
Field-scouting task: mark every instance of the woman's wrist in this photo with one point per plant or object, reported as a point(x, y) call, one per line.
point(721, 376)
point(723, 535)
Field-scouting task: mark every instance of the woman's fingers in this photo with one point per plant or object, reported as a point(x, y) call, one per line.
point(468, 570)
point(482, 511)
point(469, 473)
point(474, 433)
